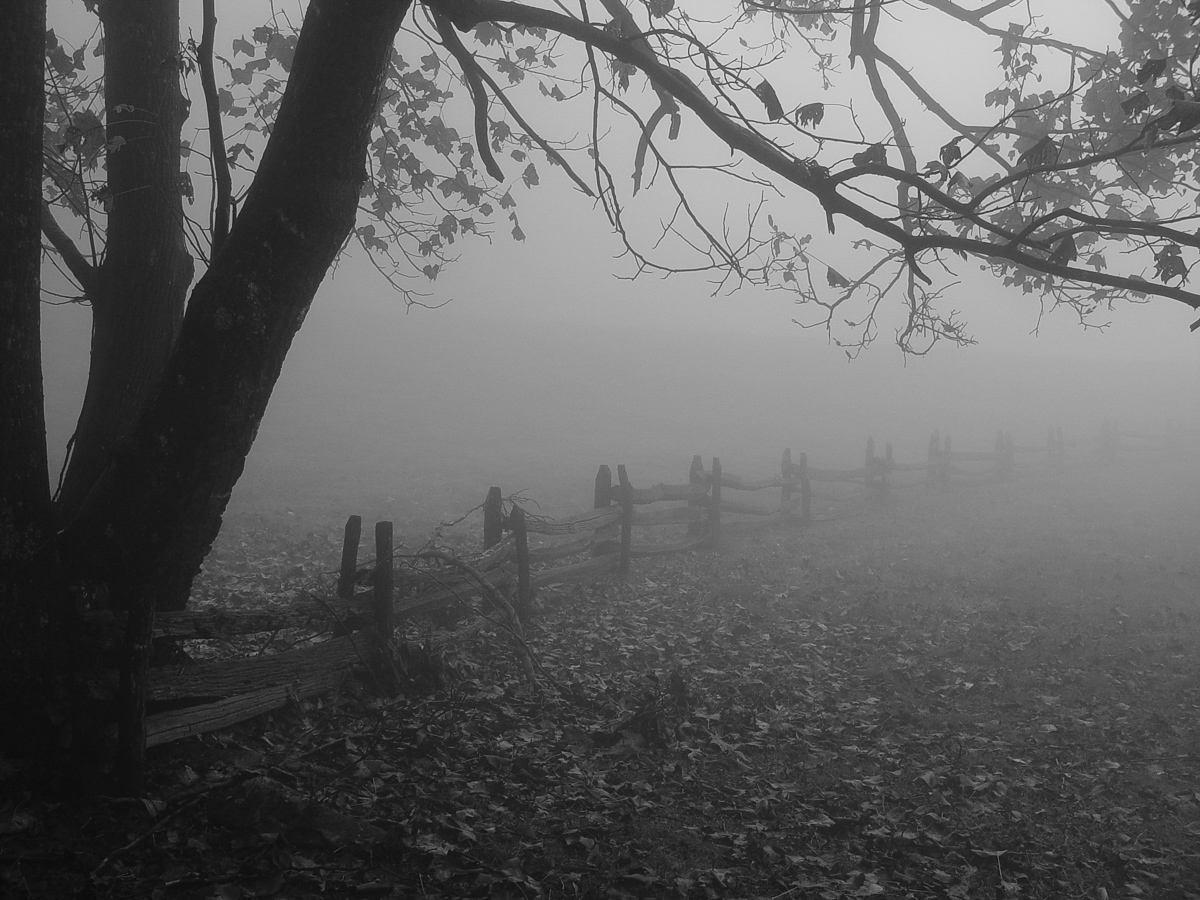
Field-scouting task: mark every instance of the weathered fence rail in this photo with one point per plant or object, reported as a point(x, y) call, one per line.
point(352, 629)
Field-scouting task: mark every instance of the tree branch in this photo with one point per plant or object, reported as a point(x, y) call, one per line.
point(466, 14)
point(471, 72)
point(85, 273)
point(223, 203)
point(975, 19)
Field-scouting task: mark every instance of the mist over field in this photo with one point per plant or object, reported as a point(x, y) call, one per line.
point(413, 416)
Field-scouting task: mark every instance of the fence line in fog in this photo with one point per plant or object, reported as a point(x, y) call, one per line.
point(206, 696)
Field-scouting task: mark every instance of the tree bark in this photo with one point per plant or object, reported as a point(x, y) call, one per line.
point(30, 620)
point(138, 298)
point(157, 507)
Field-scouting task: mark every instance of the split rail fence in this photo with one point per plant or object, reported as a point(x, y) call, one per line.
point(352, 630)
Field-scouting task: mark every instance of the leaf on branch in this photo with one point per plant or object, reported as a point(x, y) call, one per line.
point(1066, 251)
point(876, 154)
point(1151, 69)
point(835, 278)
point(1184, 115)
point(659, 8)
point(517, 233)
point(530, 176)
point(1138, 103)
point(960, 182)
point(487, 33)
point(282, 48)
point(1168, 264)
point(933, 169)
point(810, 115)
point(770, 100)
point(1044, 153)
point(949, 153)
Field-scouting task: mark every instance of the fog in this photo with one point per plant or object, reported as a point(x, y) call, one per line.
point(546, 361)
point(543, 365)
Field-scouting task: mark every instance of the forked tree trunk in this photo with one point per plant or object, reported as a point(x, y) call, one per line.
point(137, 300)
point(157, 507)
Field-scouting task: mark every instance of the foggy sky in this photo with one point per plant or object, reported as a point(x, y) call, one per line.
point(544, 353)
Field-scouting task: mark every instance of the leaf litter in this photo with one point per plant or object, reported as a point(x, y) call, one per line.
point(885, 706)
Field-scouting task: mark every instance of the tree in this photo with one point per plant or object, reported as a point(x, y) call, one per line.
point(337, 130)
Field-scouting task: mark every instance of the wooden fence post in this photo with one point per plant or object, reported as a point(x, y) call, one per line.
point(626, 519)
point(785, 480)
point(696, 480)
point(345, 588)
point(516, 520)
point(885, 466)
point(870, 466)
point(714, 507)
point(931, 467)
point(944, 469)
point(384, 611)
point(493, 518)
point(602, 500)
point(129, 762)
point(805, 490)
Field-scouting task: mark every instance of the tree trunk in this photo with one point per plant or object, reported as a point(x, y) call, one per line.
point(138, 299)
point(30, 620)
point(157, 506)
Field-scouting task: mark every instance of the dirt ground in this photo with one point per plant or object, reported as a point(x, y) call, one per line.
point(986, 691)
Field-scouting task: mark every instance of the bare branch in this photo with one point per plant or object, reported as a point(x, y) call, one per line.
point(223, 202)
point(471, 71)
point(83, 271)
point(804, 174)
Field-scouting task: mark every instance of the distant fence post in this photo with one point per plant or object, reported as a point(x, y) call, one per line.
point(696, 481)
point(944, 468)
point(869, 468)
point(714, 506)
point(493, 518)
point(603, 500)
point(805, 490)
point(345, 588)
point(785, 480)
point(931, 467)
point(384, 611)
point(626, 519)
point(885, 466)
point(516, 521)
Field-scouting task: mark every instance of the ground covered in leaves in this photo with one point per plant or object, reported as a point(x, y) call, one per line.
point(990, 691)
